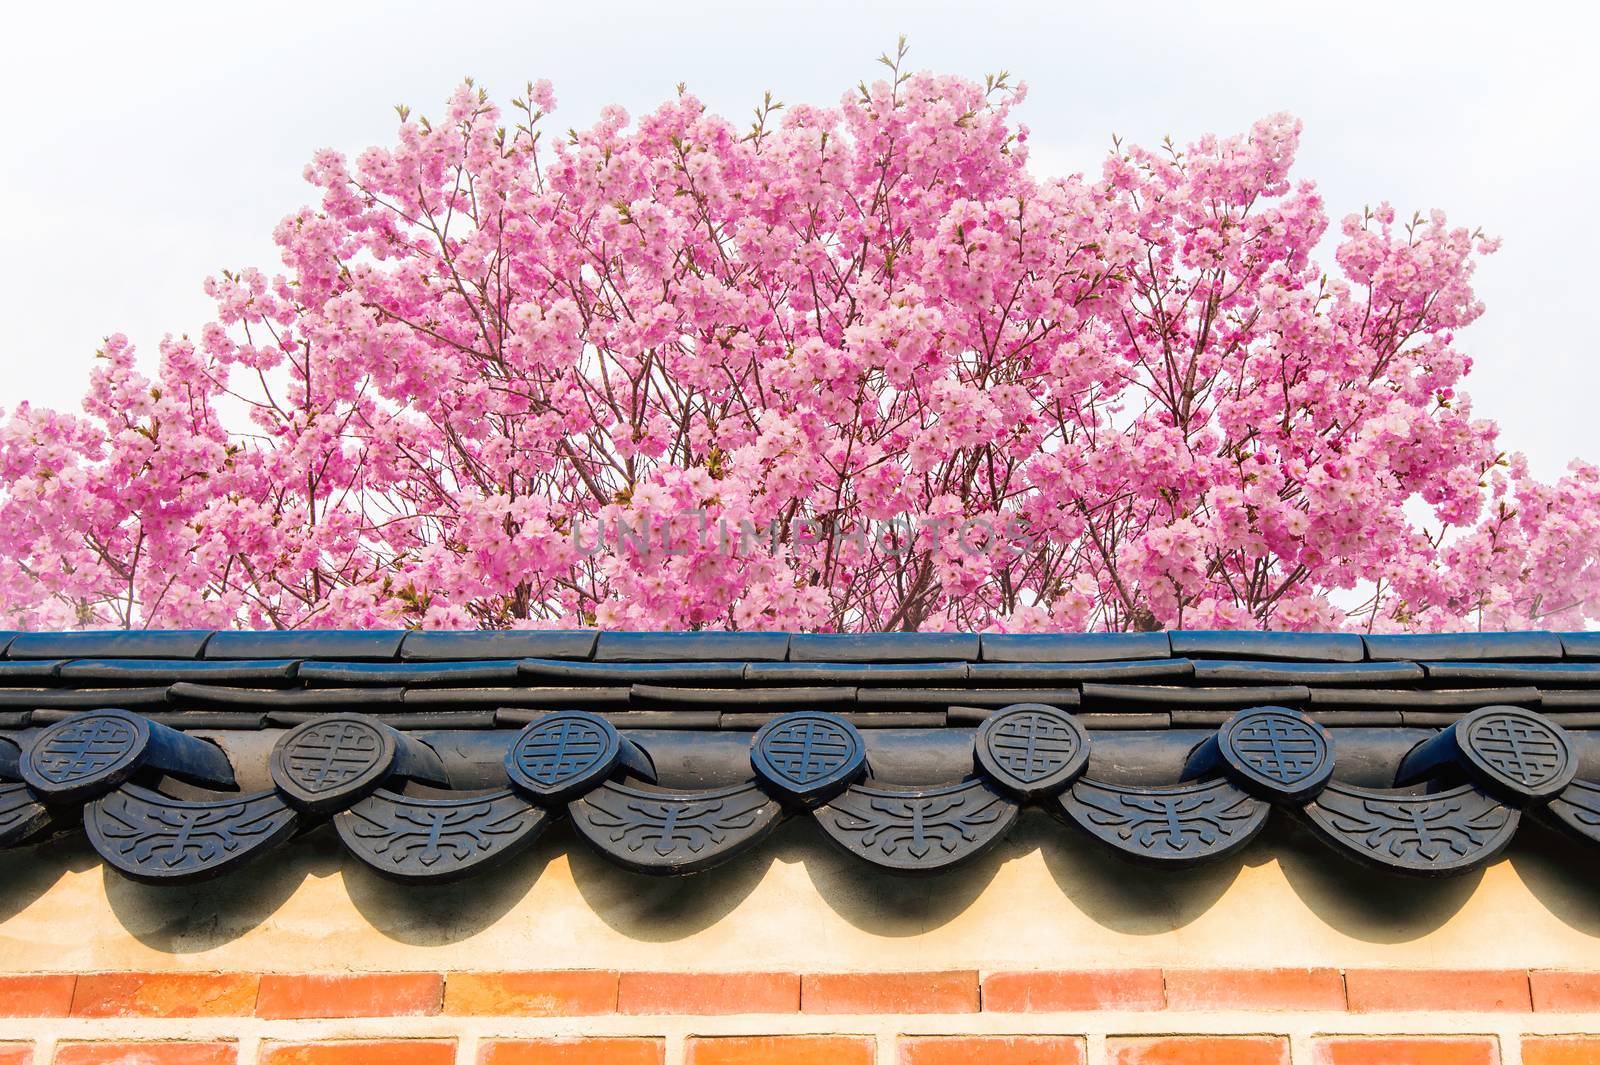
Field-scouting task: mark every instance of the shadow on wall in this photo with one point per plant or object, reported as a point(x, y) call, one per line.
point(434, 914)
point(1361, 901)
point(1131, 898)
point(1365, 904)
point(30, 872)
point(1559, 871)
point(190, 918)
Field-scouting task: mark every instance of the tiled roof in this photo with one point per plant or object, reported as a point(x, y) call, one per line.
point(183, 754)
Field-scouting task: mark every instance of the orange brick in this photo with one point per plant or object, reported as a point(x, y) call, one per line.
point(993, 1050)
point(1071, 991)
point(1358, 1051)
point(945, 992)
point(165, 995)
point(704, 994)
point(16, 1054)
point(1199, 1050)
point(1372, 990)
point(779, 1050)
point(1569, 992)
point(146, 1054)
point(1255, 989)
point(573, 1052)
point(36, 996)
point(531, 994)
point(354, 995)
point(386, 1051)
point(1561, 1050)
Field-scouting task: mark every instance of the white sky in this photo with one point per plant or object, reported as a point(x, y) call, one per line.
point(148, 146)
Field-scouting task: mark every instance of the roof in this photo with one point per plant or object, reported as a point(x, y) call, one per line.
point(185, 754)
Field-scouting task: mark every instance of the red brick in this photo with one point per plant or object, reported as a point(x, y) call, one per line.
point(573, 1052)
point(146, 1054)
point(353, 995)
point(36, 996)
point(372, 1052)
point(1199, 1050)
point(705, 994)
point(1354, 1050)
point(1373, 990)
point(165, 995)
point(943, 992)
point(779, 1050)
point(1072, 991)
point(1561, 1050)
point(1255, 989)
point(573, 993)
point(1063, 990)
point(992, 1050)
point(1557, 991)
point(16, 1054)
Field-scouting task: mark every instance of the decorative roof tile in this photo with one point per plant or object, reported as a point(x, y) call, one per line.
point(1417, 753)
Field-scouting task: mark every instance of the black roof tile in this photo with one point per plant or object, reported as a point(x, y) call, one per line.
point(324, 700)
point(361, 646)
point(995, 697)
point(34, 671)
point(546, 671)
point(884, 647)
point(520, 643)
point(92, 671)
point(1261, 671)
point(936, 673)
point(1467, 698)
point(405, 674)
point(553, 698)
point(1561, 673)
point(1581, 644)
point(691, 646)
point(1174, 697)
point(670, 695)
point(110, 643)
point(1296, 646)
point(1464, 646)
point(84, 698)
point(1074, 647)
point(1042, 673)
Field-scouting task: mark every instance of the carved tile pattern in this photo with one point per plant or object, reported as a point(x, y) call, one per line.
point(666, 832)
point(79, 750)
point(20, 814)
point(560, 753)
point(1519, 746)
point(328, 756)
point(1428, 834)
point(1279, 746)
point(808, 756)
point(1032, 749)
point(150, 836)
point(1578, 809)
point(808, 750)
point(1188, 822)
point(438, 839)
point(918, 830)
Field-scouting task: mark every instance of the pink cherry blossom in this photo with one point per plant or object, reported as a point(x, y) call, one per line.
point(848, 367)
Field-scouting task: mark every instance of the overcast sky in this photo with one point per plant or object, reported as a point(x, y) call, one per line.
point(151, 145)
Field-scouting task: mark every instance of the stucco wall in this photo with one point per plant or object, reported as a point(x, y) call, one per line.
point(1046, 906)
point(1045, 898)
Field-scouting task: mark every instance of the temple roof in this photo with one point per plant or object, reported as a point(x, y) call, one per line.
point(184, 754)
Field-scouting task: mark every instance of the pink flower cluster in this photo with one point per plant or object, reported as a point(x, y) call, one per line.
point(488, 341)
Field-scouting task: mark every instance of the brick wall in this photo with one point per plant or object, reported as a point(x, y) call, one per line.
point(1122, 1017)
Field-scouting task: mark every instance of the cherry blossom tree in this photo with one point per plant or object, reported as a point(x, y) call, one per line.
point(849, 367)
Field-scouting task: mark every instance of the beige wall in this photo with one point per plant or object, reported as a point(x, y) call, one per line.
point(1044, 899)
